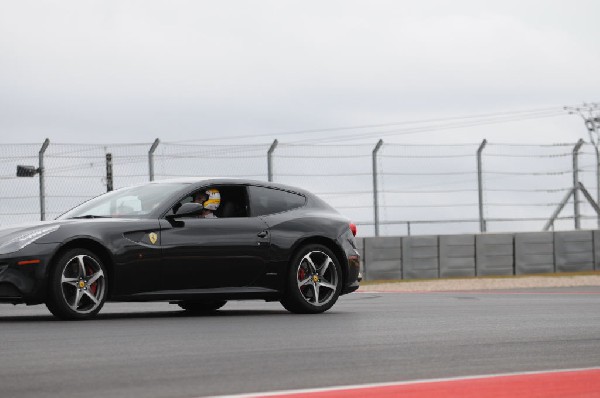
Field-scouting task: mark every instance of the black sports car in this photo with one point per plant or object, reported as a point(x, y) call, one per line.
point(195, 243)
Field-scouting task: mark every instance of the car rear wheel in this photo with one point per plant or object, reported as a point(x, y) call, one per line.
point(314, 281)
point(202, 307)
point(78, 285)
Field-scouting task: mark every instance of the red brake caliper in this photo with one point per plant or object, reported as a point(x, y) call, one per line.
point(93, 286)
point(301, 274)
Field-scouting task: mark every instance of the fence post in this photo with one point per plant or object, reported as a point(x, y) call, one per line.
point(109, 172)
point(594, 127)
point(151, 159)
point(576, 214)
point(270, 160)
point(482, 226)
point(375, 194)
point(41, 173)
point(592, 124)
point(597, 178)
point(557, 211)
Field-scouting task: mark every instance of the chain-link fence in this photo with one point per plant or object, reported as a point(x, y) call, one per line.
point(420, 189)
point(19, 198)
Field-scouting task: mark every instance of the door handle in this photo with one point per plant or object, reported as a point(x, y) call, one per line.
point(263, 234)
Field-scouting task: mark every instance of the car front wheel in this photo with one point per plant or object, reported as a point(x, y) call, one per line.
point(78, 285)
point(314, 281)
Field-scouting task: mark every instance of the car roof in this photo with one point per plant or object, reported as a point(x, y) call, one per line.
point(200, 181)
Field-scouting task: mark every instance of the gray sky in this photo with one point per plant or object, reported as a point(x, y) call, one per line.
point(130, 71)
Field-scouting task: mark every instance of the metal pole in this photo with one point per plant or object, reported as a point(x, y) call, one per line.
point(557, 211)
point(597, 179)
point(270, 160)
point(151, 159)
point(591, 126)
point(375, 194)
point(592, 121)
point(589, 198)
point(408, 227)
point(482, 224)
point(109, 172)
point(593, 133)
point(41, 172)
point(576, 215)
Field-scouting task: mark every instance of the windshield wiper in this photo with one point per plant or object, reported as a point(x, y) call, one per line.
point(90, 216)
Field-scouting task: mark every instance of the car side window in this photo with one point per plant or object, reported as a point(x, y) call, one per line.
point(233, 201)
point(270, 201)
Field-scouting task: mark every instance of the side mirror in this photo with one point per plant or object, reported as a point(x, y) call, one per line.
point(188, 210)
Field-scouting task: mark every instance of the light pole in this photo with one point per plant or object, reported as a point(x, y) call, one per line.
point(590, 113)
point(375, 193)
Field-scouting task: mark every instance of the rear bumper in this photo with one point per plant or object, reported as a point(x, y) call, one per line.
point(350, 288)
point(353, 276)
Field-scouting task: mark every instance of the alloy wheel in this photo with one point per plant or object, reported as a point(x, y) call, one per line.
point(83, 284)
point(317, 278)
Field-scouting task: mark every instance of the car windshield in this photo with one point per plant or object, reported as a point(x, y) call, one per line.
point(126, 202)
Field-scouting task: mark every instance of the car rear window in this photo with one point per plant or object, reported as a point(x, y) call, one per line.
point(269, 201)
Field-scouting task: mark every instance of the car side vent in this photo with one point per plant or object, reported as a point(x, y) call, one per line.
point(3, 266)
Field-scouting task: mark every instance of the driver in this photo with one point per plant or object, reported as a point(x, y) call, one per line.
point(210, 201)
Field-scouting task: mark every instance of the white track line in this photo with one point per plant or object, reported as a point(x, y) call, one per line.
point(486, 292)
point(401, 383)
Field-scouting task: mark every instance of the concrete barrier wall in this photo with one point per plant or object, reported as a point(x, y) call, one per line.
point(420, 258)
point(429, 257)
point(382, 258)
point(457, 255)
point(597, 250)
point(494, 254)
point(574, 251)
point(534, 253)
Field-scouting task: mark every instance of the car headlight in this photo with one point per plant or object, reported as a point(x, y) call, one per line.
point(19, 241)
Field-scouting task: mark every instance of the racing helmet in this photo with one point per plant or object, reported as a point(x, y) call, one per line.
point(213, 201)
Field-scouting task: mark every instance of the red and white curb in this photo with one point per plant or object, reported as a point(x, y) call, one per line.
point(565, 383)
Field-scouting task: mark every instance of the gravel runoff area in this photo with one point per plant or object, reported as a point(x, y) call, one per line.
point(483, 283)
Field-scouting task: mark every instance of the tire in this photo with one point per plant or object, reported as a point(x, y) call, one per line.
point(314, 282)
point(202, 307)
point(77, 285)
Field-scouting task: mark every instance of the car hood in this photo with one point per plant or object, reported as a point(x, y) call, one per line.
point(18, 228)
point(9, 230)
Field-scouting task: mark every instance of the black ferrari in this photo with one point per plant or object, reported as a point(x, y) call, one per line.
point(195, 243)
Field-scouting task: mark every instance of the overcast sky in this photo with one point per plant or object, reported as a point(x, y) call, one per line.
point(130, 71)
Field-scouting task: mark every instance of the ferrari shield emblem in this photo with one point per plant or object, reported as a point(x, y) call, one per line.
point(153, 237)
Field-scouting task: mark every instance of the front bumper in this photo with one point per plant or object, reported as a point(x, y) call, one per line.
point(22, 274)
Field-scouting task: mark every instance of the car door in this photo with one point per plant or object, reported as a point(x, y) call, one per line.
point(204, 253)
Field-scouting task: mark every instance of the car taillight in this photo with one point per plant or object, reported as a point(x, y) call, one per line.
point(353, 228)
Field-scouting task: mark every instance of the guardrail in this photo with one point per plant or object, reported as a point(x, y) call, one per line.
point(442, 256)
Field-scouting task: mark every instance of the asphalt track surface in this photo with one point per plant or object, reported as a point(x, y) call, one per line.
point(155, 350)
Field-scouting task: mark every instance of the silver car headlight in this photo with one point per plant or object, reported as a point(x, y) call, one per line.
point(19, 241)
